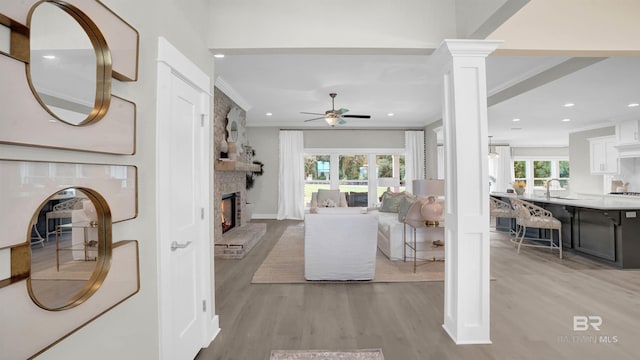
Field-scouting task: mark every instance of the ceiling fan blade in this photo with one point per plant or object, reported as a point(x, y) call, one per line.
point(342, 110)
point(318, 118)
point(342, 122)
point(310, 113)
point(357, 116)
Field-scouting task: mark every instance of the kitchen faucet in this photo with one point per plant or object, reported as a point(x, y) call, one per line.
point(548, 193)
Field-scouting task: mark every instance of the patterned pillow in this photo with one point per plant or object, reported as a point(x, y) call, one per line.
point(391, 201)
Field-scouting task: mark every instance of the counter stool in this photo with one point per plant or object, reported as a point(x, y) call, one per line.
point(529, 215)
point(501, 209)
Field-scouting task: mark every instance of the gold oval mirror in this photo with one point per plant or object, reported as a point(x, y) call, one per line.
point(69, 69)
point(72, 255)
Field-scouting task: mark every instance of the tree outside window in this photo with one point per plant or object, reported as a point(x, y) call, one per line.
point(317, 171)
point(520, 171)
point(541, 172)
point(564, 173)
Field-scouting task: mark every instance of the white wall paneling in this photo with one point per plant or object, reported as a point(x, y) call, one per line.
point(26, 184)
point(23, 332)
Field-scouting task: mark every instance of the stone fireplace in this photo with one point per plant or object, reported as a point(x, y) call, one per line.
point(234, 236)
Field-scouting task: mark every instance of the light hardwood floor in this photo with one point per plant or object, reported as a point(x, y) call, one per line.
point(533, 301)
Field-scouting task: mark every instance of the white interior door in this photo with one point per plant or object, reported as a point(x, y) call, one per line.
point(186, 322)
point(184, 212)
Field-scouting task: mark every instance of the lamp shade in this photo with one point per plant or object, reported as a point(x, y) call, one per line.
point(426, 187)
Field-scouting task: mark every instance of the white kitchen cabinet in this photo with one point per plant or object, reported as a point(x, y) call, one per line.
point(627, 132)
point(603, 155)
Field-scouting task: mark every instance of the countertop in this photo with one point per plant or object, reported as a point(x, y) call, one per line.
point(602, 203)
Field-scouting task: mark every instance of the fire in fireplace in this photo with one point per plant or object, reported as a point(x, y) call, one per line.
point(228, 207)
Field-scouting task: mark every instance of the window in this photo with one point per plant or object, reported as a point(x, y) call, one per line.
point(538, 171)
point(354, 176)
point(317, 174)
point(363, 174)
point(541, 172)
point(564, 173)
point(520, 171)
point(390, 172)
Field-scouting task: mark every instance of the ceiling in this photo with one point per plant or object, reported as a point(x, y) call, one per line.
point(532, 89)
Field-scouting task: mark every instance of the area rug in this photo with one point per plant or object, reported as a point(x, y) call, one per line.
point(285, 264)
point(369, 354)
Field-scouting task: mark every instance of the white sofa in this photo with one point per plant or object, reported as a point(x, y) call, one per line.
point(340, 244)
point(390, 229)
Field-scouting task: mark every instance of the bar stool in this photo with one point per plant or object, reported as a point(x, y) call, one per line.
point(501, 209)
point(529, 215)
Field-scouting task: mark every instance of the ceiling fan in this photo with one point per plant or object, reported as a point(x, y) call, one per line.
point(334, 117)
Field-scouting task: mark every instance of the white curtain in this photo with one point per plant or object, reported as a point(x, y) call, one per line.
point(501, 169)
point(414, 158)
point(291, 179)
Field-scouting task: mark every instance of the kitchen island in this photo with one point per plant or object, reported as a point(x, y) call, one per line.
point(605, 228)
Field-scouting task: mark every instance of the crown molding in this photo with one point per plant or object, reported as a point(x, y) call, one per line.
point(232, 94)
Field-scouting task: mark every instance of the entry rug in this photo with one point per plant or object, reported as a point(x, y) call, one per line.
point(367, 354)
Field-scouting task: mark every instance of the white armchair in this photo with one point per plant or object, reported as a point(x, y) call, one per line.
point(324, 196)
point(340, 246)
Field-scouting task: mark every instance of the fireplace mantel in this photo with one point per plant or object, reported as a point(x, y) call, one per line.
point(233, 165)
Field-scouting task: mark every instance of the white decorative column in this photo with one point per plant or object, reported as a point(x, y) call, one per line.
point(464, 113)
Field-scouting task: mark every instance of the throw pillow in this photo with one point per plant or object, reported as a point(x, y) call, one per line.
point(404, 206)
point(391, 201)
point(327, 197)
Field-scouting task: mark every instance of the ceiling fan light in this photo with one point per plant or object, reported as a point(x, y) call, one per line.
point(332, 120)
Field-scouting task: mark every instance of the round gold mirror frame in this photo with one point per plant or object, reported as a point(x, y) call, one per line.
point(103, 257)
point(103, 63)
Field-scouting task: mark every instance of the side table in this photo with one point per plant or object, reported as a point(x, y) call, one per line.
point(412, 244)
point(85, 226)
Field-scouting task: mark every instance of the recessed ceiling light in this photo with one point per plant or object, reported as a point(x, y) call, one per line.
point(516, 128)
point(569, 105)
point(566, 120)
point(219, 56)
point(633, 105)
point(268, 114)
point(391, 114)
point(515, 120)
point(49, 57)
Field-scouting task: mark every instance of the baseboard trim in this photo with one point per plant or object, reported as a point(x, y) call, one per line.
point(213, 329)
point(264, 216)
